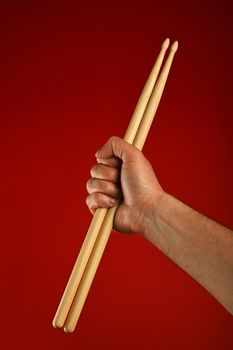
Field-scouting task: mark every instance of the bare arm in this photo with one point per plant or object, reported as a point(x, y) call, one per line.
point(199, 245)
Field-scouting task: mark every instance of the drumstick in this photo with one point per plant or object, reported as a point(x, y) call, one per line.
point(107, 225)
point(100, 213)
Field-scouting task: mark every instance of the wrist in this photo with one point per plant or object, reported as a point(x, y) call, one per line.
point(150, 223)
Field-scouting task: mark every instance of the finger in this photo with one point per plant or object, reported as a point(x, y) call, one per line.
point(113, 162)
point(100, 200)
point(106, 187)
point(117, 147)
point(100, 171)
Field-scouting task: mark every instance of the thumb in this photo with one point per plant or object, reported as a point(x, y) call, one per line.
point(117, 147)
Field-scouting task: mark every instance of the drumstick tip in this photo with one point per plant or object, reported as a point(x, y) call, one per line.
point(166, 43)
point(174, 46)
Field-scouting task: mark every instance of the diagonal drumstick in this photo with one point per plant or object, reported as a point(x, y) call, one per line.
point(107, 225)
point(100, 213)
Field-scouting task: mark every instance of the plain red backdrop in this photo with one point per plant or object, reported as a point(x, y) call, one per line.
point(71, 73)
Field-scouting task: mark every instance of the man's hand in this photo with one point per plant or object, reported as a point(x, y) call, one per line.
point(123, 175)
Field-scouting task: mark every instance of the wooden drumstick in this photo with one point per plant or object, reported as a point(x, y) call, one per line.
point(97, 221)
point(107, 225)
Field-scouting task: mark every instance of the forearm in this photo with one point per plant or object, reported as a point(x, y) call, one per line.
point(200, 246)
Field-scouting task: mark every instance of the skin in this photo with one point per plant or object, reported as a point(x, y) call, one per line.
point(200, 246)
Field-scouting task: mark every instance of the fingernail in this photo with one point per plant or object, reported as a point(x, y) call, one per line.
point(101, 161)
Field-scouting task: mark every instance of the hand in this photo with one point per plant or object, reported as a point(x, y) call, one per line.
point(124, 176)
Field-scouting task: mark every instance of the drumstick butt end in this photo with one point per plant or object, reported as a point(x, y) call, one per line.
point(68, 330)
point(57, 323)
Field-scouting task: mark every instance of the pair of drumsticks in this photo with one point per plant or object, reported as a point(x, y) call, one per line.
point(85, 267)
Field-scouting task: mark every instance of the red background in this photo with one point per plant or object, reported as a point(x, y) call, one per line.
point(71, 73)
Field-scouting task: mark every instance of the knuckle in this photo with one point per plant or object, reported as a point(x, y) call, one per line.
point(94, 170)
point(92, 201)
point(95, 200)
point(88, 201)
point(89, 185)
point(113, 138)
